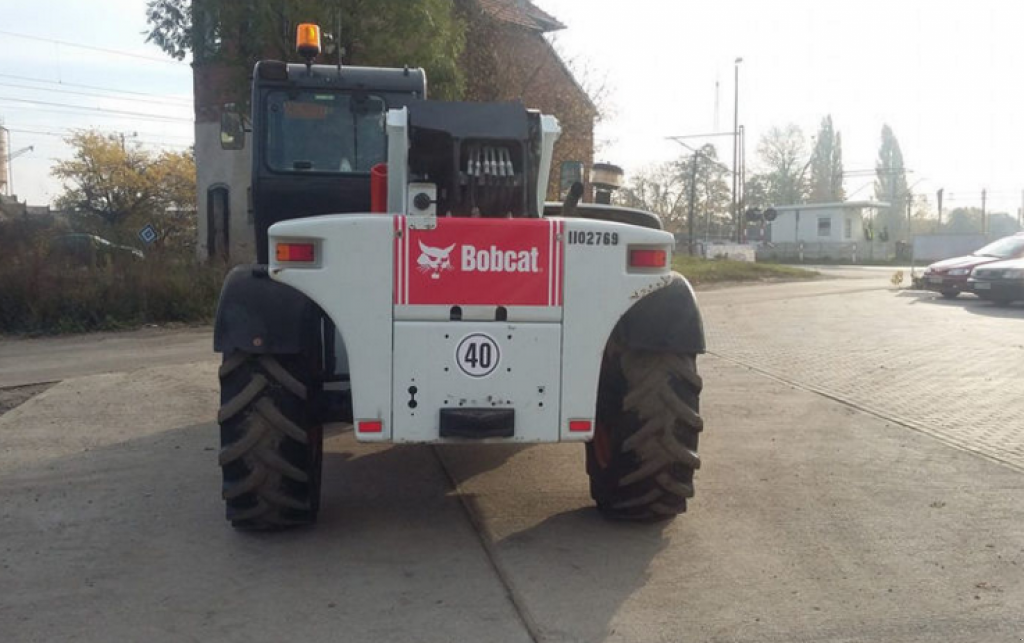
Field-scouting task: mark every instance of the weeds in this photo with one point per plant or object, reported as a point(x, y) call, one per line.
point(45, 288)
point(709, 271)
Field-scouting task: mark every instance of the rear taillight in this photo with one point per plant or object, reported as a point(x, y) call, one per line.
point(370, 426)
point(580, 426)
point(648, 258)
point(296, 252)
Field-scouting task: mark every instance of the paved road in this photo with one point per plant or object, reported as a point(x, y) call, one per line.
point(814, 521)
point(949, 368)
point(33, 361)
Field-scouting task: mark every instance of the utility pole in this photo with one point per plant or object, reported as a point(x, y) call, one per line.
point(984, 216)
point(741, 204)
point(693, 200)
point(938, 196)
point(910, 214)
point(736, 153)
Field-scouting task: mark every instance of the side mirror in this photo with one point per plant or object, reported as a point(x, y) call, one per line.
point(232, 129)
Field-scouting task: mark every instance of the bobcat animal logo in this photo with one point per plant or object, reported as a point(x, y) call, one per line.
point(434, 260)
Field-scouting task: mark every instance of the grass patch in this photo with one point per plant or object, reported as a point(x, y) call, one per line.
point(702, 272)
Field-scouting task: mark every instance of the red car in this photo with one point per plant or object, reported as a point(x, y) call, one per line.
point(949, 277)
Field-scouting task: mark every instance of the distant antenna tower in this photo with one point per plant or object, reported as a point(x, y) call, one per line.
point(717, 102)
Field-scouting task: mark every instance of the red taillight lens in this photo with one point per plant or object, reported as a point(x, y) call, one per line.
point(648, 258)
point(580, 426)
point(370, 426)
point(296, 252)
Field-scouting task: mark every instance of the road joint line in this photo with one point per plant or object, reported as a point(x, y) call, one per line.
point(882, 415)
point(527, 620)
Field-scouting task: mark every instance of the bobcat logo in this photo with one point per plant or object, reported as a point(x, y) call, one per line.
point(434, 260)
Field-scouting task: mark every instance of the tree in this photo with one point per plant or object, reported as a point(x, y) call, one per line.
point(963, 221)
point(826, 180)
point(782, 160)
point(713, 196)
point(666, 190)
point(114, 188)
point(656, 189)
point(424, 33)
point(891, 186)
point(968, 221)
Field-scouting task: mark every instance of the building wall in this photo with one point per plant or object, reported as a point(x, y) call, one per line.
point(217, 168)
point(792, 227)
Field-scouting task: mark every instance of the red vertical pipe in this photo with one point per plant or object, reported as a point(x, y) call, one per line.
point(379, 188)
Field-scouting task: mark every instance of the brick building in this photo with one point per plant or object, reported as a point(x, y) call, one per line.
point(507, 57)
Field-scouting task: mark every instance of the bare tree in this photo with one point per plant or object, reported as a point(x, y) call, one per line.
point(782, 159)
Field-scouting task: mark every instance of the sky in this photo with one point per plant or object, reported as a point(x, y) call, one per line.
point(139, 91)
point(944, 76)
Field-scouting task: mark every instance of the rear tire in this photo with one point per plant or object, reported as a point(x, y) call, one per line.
point(950, 294)
point(644, 453)
point(271, 440)
point(1002, 303)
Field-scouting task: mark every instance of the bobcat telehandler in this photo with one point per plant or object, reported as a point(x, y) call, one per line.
point(411, 280)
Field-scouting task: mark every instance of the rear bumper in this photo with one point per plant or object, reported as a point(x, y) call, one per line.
point(1006, 290)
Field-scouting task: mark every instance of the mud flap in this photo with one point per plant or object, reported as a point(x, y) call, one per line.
point(666, 320)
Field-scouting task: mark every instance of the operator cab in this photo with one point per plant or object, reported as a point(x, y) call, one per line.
point(318, 130)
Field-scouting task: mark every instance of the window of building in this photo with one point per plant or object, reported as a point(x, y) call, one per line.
point(218, 223)
point(848, 232)
point(824, 226)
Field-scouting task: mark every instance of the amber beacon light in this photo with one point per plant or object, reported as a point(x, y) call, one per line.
point(307, 41)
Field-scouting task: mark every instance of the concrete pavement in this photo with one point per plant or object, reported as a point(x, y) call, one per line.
point(814, 521)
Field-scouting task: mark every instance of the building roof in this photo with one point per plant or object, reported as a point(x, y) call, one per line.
point(521, 12)
point(841, 205)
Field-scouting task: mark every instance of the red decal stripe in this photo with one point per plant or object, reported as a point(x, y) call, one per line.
point(405, 260)
point(551, 262)
point(559, 276)
point(397, 260)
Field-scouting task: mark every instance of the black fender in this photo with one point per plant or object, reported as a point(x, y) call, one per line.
point(668, 319)
point(256, 314)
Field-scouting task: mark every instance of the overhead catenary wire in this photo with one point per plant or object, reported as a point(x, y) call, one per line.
point(66, 131)
point(113, 52)
point(98, 111)
point(71, 92)
point(136, 139)
point(61, 83)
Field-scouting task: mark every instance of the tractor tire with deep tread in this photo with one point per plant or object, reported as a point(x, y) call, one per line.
point(644, 453)
point(271, 441)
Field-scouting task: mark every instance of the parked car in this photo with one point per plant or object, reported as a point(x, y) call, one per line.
point(949, 277)
point(1001, 282)
point(83, 249)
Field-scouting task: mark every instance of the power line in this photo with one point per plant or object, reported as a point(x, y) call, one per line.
point(74, 113)
point(96, 87)
point(115, 52)
point(64, 131)
point(151, 101)
point(100, 110)
point(162, 143)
